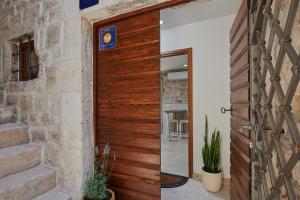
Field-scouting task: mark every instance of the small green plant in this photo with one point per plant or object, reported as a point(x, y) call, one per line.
point(211, 152)
point(96, 185)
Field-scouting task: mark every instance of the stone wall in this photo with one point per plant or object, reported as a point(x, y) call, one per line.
point(174, 91)
point(52, 104)
point(57, 105)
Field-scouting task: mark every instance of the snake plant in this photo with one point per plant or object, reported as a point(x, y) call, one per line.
point(211, 152)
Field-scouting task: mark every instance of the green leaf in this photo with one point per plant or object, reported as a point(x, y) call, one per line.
point(211, 152)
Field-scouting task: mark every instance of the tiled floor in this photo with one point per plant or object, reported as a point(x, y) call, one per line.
point(174, 156)
point(193, 190)
point(174, 160)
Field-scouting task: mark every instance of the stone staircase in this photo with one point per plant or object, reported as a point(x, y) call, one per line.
point(22, 173)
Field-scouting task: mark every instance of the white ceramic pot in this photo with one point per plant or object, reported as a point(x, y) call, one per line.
point(212, 182)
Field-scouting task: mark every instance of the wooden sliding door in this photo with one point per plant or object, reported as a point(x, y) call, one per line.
point(127, 105)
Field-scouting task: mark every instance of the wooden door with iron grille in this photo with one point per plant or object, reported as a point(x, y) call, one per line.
point(276, 72)
point(240, 169)
point(128, 105)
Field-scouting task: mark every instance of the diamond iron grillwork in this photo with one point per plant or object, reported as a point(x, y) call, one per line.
point(273, 171)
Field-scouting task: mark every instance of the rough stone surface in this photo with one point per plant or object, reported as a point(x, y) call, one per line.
point(28, 184)
point(8, 114)
point(174, 91)
point(57, 194)
point(57, 106)
point(19, 158)
point(12, 135)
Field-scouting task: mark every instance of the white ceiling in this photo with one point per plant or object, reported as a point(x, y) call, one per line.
point(173, 63)
point(198, 10)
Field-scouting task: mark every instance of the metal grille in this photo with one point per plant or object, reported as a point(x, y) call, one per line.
point(272, 102)
point(27, 59)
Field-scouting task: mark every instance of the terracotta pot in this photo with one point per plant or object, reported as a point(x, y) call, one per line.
point(113, 197)
point(212, 182)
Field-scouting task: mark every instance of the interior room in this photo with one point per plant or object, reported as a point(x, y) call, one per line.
point(203, 27)
point(174, 115)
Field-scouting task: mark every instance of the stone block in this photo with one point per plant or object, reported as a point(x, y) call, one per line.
point(53, 154)
point(8, 114)
point(20, 6)
point(12, 135)
point(28, 184)
point(54, 135)
point(53, 35)
point(24, 118)
point(12, 87)
point(49, 4)
point(25, 103)
point(38, 135)
point(51, 75)
point(54, 103)
point(20, 87)
point(29, 17)
point(42, 20)
point(34, 119)
point(19, 158)
point(45, 120)
point(11, 99)
point(55, 15)
point(57, 194)
point(40, 103)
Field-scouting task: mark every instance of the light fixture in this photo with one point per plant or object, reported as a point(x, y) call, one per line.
point(185, 65)
point(161, 22)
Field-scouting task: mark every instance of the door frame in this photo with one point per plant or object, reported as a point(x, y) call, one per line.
point(95, 40)
point(189, 53)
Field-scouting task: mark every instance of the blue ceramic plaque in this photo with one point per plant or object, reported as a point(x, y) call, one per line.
point(108, 37)
point(87, 3)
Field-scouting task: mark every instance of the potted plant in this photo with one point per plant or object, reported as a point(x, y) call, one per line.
point(211, 172)
point(96, 185)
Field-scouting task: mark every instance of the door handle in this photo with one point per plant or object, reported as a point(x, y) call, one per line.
point(243, 127)
point(224, 110)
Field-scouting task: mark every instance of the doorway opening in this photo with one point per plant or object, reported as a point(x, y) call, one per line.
point(206, 35)
point(176, 117)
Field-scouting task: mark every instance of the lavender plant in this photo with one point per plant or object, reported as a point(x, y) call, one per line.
point(96, 186)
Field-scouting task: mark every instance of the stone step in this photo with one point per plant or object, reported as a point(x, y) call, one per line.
point(57, 193)
point(8, 114)
point(19, 158)
point(27, 185)
point(13, 134)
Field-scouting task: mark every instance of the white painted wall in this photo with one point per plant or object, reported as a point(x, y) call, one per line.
point(211, 83)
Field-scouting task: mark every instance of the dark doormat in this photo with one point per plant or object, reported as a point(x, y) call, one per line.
point(171, 180)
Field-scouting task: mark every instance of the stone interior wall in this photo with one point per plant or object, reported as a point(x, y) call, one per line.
point(285, 75)
point(174, 91)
